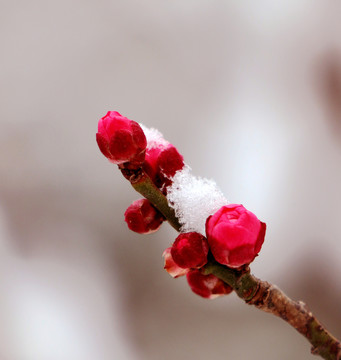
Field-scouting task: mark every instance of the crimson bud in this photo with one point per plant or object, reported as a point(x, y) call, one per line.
point(161, 164)
point(171, 267)
point(190, 250)
point(121, 140)
point(207, 286)
point(142, 217)
point(235, 235)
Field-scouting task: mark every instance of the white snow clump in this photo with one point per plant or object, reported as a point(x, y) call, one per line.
point(154, 138)
point(194, 199)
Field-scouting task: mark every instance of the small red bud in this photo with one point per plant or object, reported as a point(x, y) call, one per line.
point(161, 164)
point(142, 217)
point(170, 161)
point(171, 267)
point(235, 235)
point(151, 165)
point(121, 140)
point(190, 250)
point(207, 286)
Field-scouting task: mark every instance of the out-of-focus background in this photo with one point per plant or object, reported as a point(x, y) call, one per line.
point(249, 92)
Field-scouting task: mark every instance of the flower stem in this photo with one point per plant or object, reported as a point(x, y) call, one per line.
point(261, 294)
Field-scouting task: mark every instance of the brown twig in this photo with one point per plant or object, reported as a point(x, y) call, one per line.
point(271, 299)
point(253, 291)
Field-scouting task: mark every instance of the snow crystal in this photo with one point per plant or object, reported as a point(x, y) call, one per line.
point(194, 199)
point(154, 138)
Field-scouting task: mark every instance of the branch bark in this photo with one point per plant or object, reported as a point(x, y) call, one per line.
point(271, 299)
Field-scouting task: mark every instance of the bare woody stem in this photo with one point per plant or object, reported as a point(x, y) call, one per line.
point(253, 291)
point(271, 299)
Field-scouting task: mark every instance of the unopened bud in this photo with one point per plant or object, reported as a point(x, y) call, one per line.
point(190, 250)
point(121, 140)
point(235, 235)
point(171, 267)
point(207, 286)
point(142, 217)
point(161, 164)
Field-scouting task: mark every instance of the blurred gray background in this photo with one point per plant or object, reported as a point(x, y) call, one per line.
point(249, 92)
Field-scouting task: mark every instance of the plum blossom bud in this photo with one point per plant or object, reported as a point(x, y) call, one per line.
point(121, 140)
point(171, 267)
point(170, 161)
point(190, 250)
point(235, 235)
point(142, 217)
point(151, 166)
point(207, 286)
point(161, 164)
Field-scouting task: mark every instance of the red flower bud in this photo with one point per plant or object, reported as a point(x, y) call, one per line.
point(207, 286)
point(161, 164)
point(121, 140)
point(151, 165)
point(190, 250)
point(170, 161)
point(171, 267)
point(235, 235)
point(142, 217)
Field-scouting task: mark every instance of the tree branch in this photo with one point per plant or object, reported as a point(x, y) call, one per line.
point(271, 299)
point(253, 291)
